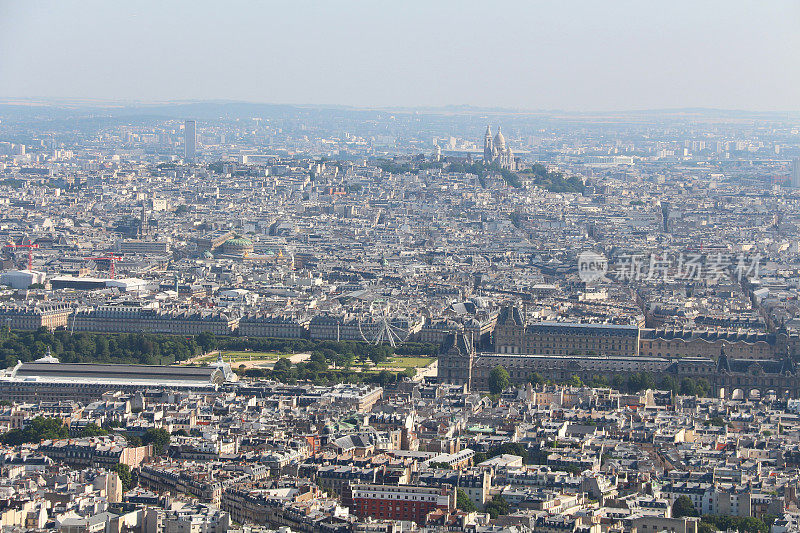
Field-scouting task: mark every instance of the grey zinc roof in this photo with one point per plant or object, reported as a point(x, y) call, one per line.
point(111, 371)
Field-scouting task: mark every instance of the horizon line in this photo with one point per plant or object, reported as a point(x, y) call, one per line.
point(130, 102)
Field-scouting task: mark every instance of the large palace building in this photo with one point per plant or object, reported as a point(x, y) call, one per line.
point(557, 351)
point(512, 335)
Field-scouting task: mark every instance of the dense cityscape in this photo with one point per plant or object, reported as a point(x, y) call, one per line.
point(345, 320)
point(399, 267)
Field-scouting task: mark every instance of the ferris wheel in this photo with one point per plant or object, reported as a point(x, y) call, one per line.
point(385, 322)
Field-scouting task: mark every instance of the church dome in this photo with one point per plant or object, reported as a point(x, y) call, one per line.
point(499, 140)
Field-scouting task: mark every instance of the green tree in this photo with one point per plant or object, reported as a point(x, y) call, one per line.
point(536, 379)
point(92, 430)
point(124, 473)
point(705, 527)
point(688, 387)
point(38, 429)
point(463, 503)
point(498, 506)
point(207, 341)
point(282, 365)
point(157, 437)
point(574, 381)
point(683, 506)
point(499, 380)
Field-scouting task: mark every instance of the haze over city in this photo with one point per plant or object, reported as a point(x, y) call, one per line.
point(573, 55)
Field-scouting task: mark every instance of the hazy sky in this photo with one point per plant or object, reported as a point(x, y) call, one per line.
point(554, 54)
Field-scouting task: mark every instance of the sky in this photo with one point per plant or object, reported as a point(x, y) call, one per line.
point(576, 55)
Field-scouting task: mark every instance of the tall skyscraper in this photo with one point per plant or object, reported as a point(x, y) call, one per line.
point(665, 216)
point(796, 172)
point(190, 140)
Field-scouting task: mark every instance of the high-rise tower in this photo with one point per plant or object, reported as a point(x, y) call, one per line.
point(190, 140)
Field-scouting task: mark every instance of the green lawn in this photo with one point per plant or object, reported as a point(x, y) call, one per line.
point(230, 355)
point(408, 362)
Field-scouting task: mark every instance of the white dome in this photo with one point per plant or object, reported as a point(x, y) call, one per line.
point(499, 140)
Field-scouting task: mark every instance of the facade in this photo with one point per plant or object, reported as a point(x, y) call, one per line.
point(273, 326)
point(175, 481)
point(334, 328)
point(250, 504)
point(96, 452)
point(124, 319)
point(31, 318)
point(513, 336)
point(495, 151)
point(476, 484)
point(401, 502)
point(795, 179)
point(670, 342)
point(21, 279)
point(190, 140)
point(459, 364)
point(131, 246)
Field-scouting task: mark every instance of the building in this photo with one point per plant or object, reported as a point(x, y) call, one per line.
point(21, 279)
point(31, 318)
point(401, 502)
point(48, 379)
point(273, 326)
point(513, 336)
point(190, 140)
point(143, 247)
point(495, 151)
point(476, 484)
point(459, 364)
point(95, 452)
point(132, 319)
point(678, 342)
point(190, 518)
point(795, 181)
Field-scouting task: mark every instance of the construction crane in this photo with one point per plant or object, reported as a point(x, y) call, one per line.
point(30, 246)
point(110, 258)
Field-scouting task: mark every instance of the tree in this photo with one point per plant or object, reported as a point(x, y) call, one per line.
point(207, 341)
point(705, 527)
point(536, 379)
point(38, 429)
point(124, 473)
point(683, 506)
point(463, 503)
point(574, 381)
point(282, 365)
point(92, 430)
point(157, 437)
point(498, 506)
point(499, 380)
